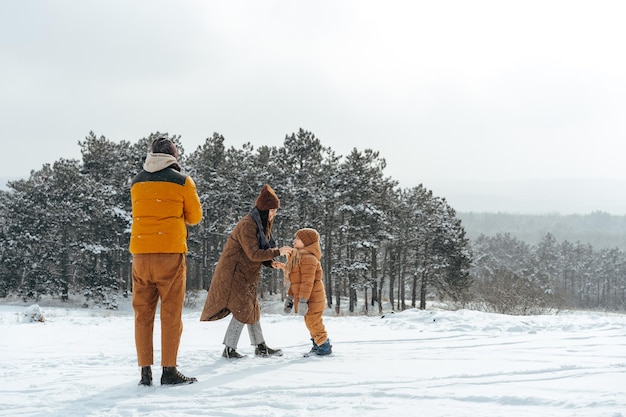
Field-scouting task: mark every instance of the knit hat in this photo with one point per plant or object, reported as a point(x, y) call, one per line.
point(308, 236)
point(267, 199)
point(163, 144)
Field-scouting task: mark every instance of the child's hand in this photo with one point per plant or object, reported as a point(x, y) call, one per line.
point(278, 265)
point(303, 306)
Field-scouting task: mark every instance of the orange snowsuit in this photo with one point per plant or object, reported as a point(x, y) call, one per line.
point(306, 282)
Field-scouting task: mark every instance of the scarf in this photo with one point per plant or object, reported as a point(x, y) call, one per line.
point(264, 242)
point(293, 259)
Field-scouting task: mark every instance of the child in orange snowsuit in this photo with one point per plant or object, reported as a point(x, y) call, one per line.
point(306, 291)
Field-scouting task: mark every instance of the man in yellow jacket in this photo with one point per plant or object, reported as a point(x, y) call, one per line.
point(164, 202)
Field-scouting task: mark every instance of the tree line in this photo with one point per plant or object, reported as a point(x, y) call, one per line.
point(65, 229)
point(514, 277)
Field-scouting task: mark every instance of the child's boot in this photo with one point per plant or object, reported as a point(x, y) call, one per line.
point(324, 349)
point(313, 349)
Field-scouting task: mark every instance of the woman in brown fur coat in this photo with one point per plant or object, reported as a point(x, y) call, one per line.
point(304, 273)
point(234, 285)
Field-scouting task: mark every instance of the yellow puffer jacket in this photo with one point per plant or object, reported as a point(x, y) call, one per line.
point(306, 279)
point(164, 202)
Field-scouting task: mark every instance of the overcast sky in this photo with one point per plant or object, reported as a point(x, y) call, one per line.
point(457, 95)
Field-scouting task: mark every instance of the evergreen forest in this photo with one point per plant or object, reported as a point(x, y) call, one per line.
point(65, 230)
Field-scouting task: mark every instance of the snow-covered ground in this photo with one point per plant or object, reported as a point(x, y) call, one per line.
point(81, 362)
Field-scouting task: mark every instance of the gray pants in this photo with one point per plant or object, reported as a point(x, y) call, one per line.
point(235, 327)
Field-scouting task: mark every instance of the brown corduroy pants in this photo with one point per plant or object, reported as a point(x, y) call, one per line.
point(158, 275)
point(316, 327)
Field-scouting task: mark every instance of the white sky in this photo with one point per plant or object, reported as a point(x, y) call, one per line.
point(453, 93)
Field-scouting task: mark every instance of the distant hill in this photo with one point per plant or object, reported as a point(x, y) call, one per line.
point(601, 230)
point(533, 196)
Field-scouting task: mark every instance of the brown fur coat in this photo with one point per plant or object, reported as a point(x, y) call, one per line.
point(234, 285)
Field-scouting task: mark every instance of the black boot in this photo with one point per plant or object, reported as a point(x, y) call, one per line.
point(231, 353)
point(263, 350)
point(146, 376)
point(171, 376)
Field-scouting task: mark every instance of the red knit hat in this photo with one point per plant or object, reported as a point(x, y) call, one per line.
point(267, 199)
point(308, 236)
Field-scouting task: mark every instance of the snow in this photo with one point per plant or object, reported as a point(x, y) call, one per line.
point(81, 362)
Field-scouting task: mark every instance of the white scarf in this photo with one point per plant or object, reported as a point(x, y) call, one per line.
point(158, 161)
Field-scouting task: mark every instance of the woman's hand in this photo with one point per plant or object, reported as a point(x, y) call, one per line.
point(278, 265)
point(285, 250)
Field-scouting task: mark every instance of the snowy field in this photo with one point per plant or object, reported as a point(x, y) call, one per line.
point(81, 362)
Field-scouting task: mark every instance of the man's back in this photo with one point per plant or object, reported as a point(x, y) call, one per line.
point(164, 202)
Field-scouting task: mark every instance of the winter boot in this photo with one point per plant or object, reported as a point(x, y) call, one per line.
point(230, 353)
point(313, 349)
point(325, 348)
point(146, 376)
point(263, 350)
point(171, 376)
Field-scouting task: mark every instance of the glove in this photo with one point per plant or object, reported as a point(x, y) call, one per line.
point(303, 306)
point(288, 304)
